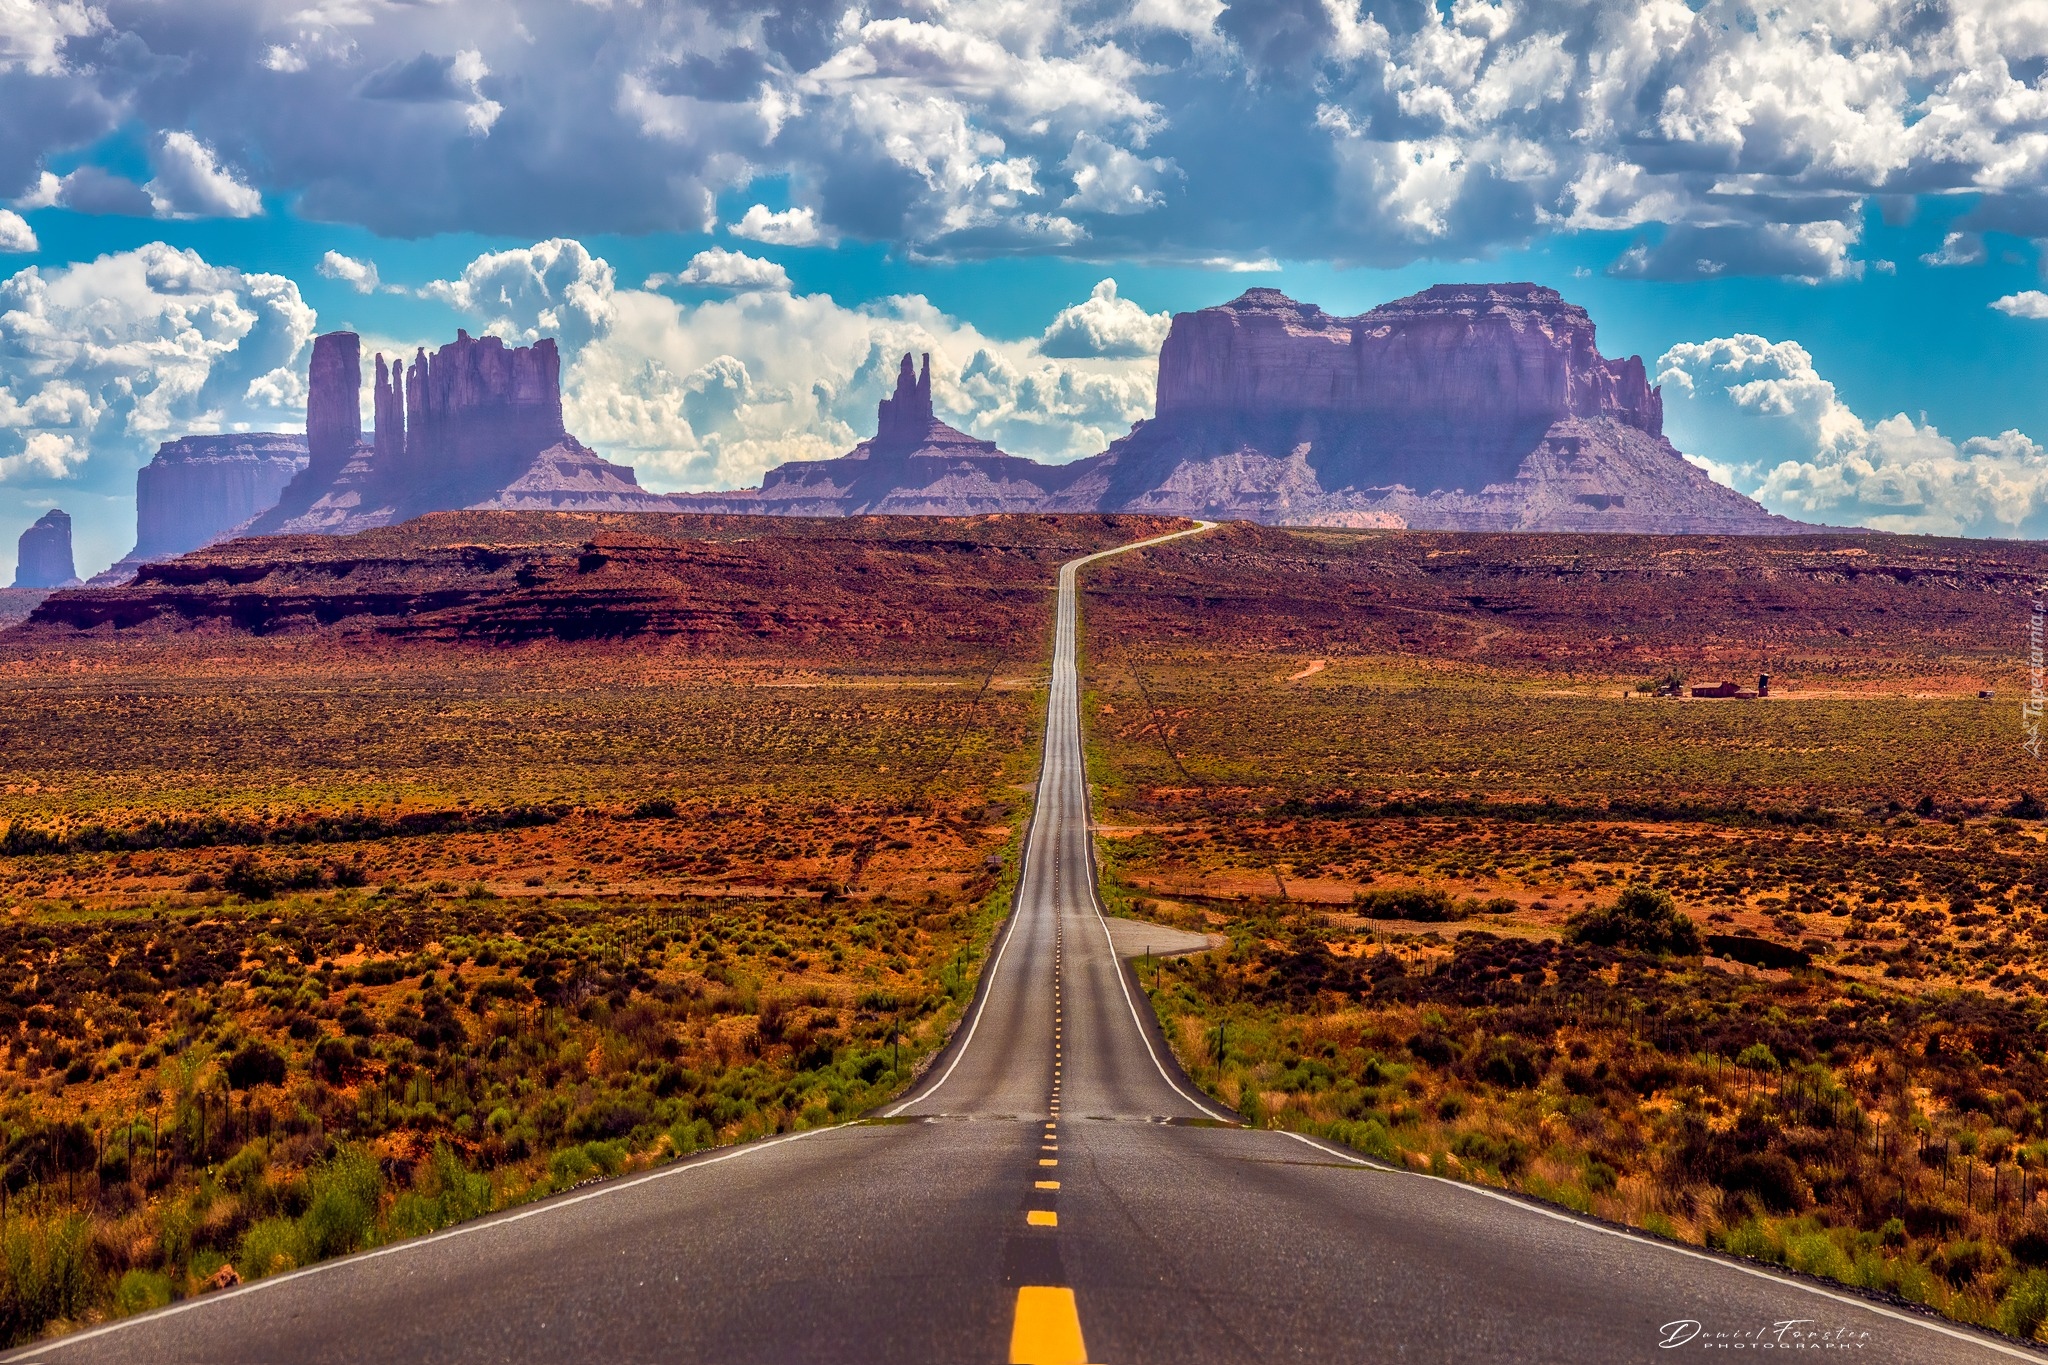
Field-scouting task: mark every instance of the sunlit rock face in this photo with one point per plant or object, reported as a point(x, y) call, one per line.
point(1463, 407)
point(475, 423)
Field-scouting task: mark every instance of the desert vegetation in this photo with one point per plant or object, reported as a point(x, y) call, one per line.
point(1762, 976)
point(319, 934)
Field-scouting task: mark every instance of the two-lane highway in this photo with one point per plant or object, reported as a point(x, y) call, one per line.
point(1055, 1190)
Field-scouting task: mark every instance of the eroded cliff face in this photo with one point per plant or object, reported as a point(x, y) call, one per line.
point(474, 424)
point(1463, 407)
point(1480, 354)
point(198, 489)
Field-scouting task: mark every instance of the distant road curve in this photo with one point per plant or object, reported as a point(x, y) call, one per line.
point(1054, 1192)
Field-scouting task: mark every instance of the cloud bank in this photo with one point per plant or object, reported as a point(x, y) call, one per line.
point(1764, 420)
point(1727, 138)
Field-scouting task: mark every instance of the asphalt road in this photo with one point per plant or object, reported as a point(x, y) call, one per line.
point(1055, 1190)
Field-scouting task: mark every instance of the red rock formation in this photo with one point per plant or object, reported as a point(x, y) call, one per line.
point(1463, 407)
point(388, 412)
point(914, 465)
point(334, 410)
point(44, 558)
point(475, 424)
point(198, 488)
point(477, 410)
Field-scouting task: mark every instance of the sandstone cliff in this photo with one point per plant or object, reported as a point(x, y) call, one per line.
point(1481, 407)
point(915, 465)
point(474, 424)
point(44, 553)
point(1464, 407)
point(199, 488)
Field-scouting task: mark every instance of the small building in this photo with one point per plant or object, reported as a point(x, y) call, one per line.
point(1725, 689)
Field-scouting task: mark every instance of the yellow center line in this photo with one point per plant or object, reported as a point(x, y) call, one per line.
point(1047, 1328)
point(1048, 1161)
point(1046, 1185)
point(1042, 1218)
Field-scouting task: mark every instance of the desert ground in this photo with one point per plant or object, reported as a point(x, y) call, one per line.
point(1413, 776)
point(353, 887)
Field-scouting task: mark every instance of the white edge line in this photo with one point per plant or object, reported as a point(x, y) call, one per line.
point(39, 1350)
point(1726, 1263)
point(1038, 804)
point(1095, 901)
point(988, 987)
point(414, 1243)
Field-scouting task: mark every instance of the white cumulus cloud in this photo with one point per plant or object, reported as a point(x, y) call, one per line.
point(717, 268)
point(2028, 303)
point(191, 182)
point(1762, 417)
point(1105, 325)
point(553, 288)
point(360, 276)
point(15, 233)
point(790, 227)
point(101, 360)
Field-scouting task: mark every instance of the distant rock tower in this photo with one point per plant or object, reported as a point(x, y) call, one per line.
point(906, 418)
point(45, 553)
point(334, 405)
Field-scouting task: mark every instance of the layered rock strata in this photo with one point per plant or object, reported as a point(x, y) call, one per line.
point(1464, 407)
point(1482, 407)
point(43, 555)
point(914, 465)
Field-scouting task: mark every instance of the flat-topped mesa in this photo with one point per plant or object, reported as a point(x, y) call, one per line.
point(1506, 355)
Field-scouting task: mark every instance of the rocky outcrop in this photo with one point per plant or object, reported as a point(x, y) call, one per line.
point(199, 488)
point(474, 424)
point(44, 553)
point(914, 465)
point(1483, 407)
point(334, 408)
point(1464, 407)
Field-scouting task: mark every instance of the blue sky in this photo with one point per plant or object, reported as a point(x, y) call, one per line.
point(1818, 222)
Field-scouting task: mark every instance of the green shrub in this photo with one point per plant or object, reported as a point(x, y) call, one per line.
point(341, 1212)
point(689, 1136)
point(2025, 1307)
point(255, 1063)
point(1412, 903)
point(1758, 1057)
point(47, 1274)
point(269, 1248)
point(141, 1290)
point(1641, 918)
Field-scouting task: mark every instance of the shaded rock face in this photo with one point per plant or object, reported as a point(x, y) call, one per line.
point(199, 488)
point(44, 553)
point(1482, 407)
point(915, 465)
point(1463, 407)
point(474, 424)
point(334, 411)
